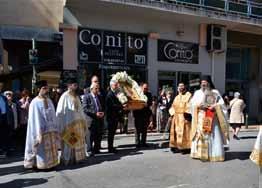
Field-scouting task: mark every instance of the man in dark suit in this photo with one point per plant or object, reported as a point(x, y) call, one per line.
point(142, 119)
point(169, 99)
point(95, 80)
point(94, 108)
point(114, 111)
point(3, 124)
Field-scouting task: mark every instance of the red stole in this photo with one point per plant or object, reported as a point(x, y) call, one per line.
point(208, 121)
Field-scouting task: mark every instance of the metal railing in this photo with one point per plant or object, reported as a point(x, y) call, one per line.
point(245, 8)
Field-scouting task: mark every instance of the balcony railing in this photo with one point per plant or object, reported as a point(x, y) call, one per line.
point(237, 7)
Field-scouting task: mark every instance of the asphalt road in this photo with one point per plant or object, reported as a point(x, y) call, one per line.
point(155, 167)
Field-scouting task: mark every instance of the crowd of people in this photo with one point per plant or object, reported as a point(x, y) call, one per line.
point(64, 121)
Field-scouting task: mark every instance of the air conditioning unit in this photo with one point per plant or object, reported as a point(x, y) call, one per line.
point(216, 38)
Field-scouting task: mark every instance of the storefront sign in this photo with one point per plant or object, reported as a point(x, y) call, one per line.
point(177, 52)
point(136, 49)
point(114, 67)
point(111, 47)
point(89, 45)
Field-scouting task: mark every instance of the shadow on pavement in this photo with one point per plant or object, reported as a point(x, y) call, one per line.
point(18, 169)
point(122, 151)
point(151, 146)
point(11, 170)
point(19, 183)
point(241, 155)
point(12, 159)
point(100, 158)
point(247, 137)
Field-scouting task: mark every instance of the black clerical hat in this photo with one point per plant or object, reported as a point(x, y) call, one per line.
point(208, 79)
point(41, 83)
point(71, 81)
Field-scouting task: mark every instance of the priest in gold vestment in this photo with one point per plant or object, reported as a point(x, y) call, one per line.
point(209, 125)
point(181, 120)
point(73, 126)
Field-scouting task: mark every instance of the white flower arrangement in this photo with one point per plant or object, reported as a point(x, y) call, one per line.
point(122, 98)
point(123, 95)
point(122, 77)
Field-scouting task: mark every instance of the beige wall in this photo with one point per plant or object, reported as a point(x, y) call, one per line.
point(36, 13)
point(70, 48)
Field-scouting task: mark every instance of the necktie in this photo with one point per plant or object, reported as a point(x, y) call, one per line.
point(98, 105)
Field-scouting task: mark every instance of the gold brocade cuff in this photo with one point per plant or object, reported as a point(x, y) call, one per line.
point(256, 157)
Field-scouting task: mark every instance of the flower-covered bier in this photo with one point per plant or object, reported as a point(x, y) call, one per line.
point(129, 93)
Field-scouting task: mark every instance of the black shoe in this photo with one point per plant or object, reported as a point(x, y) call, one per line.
point(145, 145)
point(112, 150)
point(97, 151)
point(138, 146)
point(236, 137)
point(174, 150)
point(185, 151)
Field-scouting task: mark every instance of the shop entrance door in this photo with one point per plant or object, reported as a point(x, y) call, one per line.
point(187, 77)
point(168, 79)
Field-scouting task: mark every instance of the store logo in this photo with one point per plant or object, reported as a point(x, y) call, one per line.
point(87, 37)
point(137, 43)
point(175, 51)
point(111, 47)
point(83, 56)
point(140, 59)
point(95, 39)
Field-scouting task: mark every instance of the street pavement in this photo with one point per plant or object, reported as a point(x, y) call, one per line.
point(154, 167)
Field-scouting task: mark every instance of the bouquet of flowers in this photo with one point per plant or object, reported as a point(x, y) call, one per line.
point(129, 92)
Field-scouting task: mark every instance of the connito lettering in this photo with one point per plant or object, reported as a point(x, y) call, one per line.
point(172, 52)
point(95, 39)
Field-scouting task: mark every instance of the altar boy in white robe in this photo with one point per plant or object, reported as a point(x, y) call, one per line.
point(73, 125)
point(42, 139)
point(209, 130)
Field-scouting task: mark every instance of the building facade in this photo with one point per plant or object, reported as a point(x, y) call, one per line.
point(20, 22)
point(110, 35)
